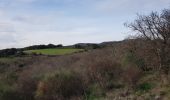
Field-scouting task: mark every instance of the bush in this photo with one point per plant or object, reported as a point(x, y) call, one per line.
point(60, 85)
point(8, 92)
point(132, 58)
point(26, 86)
point(94, 92)
point(105, 72)
point(145, 87)
point(131, 75)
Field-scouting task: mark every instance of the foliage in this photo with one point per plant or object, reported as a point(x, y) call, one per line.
point(132, 58)
point(105, 72)
point(87, 46)
point(131, 75)
point(60, 85)
point(53, 51)
point(155, 28)
point(10, 52)
point(94, 92)
point(34, 47)
point(8, 91)
point(145, 87)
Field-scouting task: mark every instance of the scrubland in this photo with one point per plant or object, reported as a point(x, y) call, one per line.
point(124, 71)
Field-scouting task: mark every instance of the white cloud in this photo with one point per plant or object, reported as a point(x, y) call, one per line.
point(25, 30)
point(22, 24)
point(131, 6)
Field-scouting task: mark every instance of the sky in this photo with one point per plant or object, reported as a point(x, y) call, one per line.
point(32, 22)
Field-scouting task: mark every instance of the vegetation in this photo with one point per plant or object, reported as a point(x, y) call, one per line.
point(156, 29)
point(132, 69)
point(69, 84)
point(42, 47)
point(53, 51)
point(10, 52)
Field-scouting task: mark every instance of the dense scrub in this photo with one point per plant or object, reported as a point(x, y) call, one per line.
point(122, 71)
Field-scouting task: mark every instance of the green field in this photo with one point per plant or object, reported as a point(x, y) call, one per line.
point(54, 51)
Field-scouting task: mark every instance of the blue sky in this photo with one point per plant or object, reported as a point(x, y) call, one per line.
point(29, 22)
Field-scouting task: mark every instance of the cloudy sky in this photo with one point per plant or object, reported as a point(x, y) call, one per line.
point(28, 22)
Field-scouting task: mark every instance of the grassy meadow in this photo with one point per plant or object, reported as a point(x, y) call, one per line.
point(54, 51)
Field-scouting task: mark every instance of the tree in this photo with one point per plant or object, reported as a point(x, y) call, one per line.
point(155, 27)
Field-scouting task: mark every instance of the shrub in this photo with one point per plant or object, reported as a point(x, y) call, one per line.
point(105, 72)
point(131, 75)
point(145, 87)
point(60, 85)
point(94, 92)
point(9, 95)
point(8, 92)
point(26, 86)
point(132, 58)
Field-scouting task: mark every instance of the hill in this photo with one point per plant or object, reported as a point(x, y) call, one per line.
point(121, 71)
point(53, 49)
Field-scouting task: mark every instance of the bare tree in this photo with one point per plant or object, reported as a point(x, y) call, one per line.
point(155, 27)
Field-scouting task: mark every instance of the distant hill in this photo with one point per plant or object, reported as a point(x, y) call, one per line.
point(86, 46)
point(34, 47)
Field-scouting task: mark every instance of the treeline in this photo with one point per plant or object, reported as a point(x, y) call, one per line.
point(42, 47)
point(87, 46)
point(20, 51)
point(11, 52)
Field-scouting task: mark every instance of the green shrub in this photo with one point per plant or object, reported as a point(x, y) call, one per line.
point(145, 87)
point(94, 92)
point(60, 85)
point(132, 58)
point(8, 92)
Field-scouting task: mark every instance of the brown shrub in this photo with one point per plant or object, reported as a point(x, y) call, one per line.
point(131, 75)
point(26, 86)
point(105, 72)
